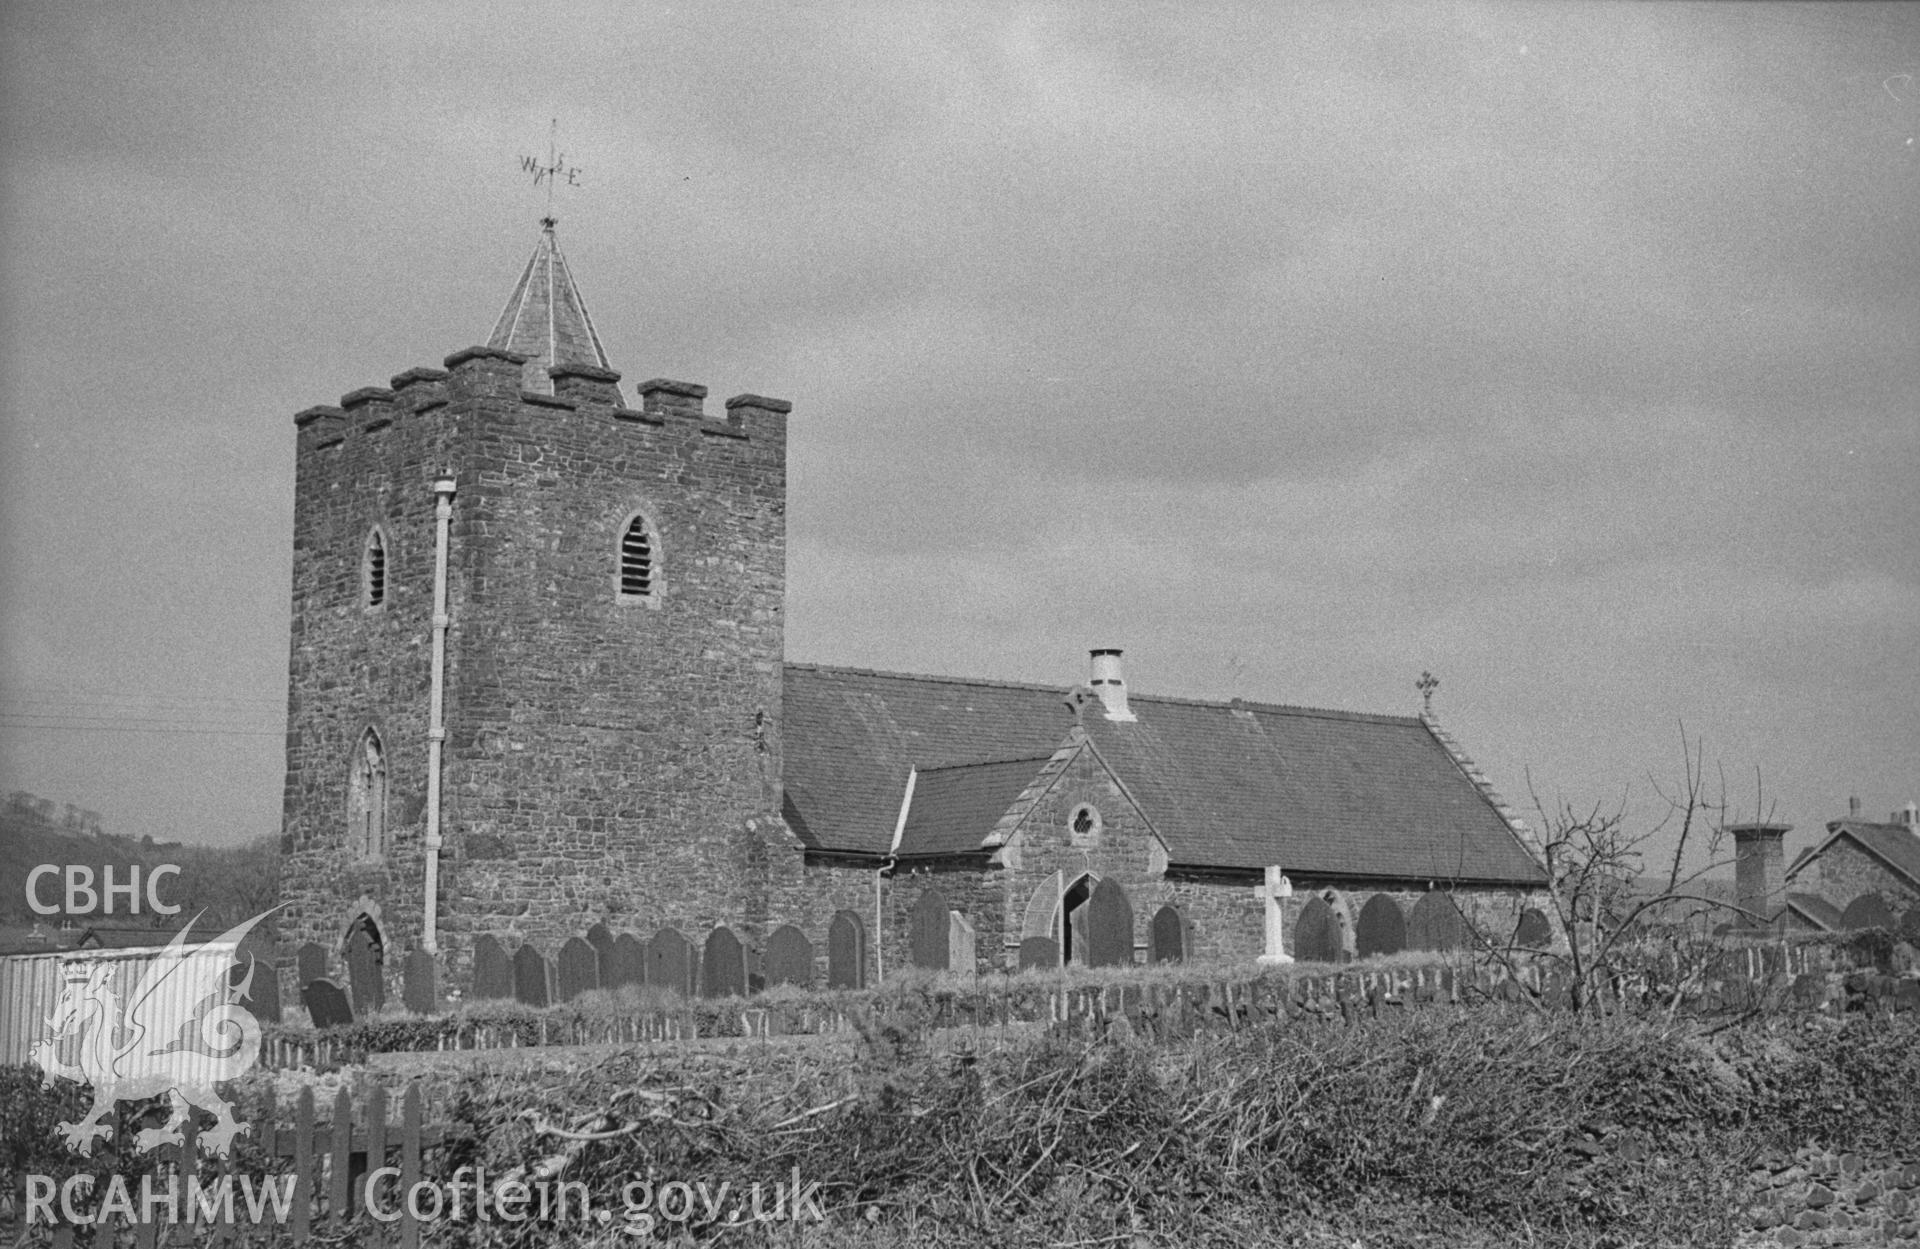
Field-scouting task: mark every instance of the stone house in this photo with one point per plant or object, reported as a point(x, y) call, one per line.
point(1863, 874)
point(538, 682)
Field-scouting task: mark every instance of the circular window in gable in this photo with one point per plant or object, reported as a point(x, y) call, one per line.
point(1085, 824)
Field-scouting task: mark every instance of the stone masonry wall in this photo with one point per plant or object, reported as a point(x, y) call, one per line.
point(1816, 1196)
point(605, 759)
point(1224, 912)
point(1846, 871)
point(1122, 848)
point(371, 461)
point(613, 759)
point(1228, 922)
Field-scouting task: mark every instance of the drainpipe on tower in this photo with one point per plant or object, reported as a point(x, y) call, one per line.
point(436, 725)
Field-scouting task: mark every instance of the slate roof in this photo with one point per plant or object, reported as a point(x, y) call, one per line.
point(1817, 909)
point(41, 940)
point(1227, 785)
point(953, 806)
point(21, 939)
point(546, 319)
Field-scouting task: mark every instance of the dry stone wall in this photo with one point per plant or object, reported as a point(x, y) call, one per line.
point(1817, 1196)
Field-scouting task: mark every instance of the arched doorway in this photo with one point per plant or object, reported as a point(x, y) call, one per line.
point(366, 965)
point(1073, 918)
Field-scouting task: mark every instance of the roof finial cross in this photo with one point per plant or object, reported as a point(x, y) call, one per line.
point(555, 170)
point(1427, 684)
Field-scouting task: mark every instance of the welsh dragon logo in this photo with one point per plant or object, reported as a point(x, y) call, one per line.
point(143, 1051)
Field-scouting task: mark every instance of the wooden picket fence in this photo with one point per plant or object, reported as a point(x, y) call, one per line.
point(328, 1162)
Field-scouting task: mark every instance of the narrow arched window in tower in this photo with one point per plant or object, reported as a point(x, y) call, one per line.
point(374, 569)
point(637, 558)
point(367, 798)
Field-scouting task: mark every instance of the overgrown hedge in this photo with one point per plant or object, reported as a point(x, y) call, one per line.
point(1495, 1126)
point(1470, 1125)
point(1490, 1127)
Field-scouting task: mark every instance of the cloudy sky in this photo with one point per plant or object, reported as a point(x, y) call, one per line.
point(1571, 351)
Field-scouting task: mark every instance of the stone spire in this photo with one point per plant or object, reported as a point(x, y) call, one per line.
point(545, 319)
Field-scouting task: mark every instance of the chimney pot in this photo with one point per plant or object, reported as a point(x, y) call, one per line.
point(1853, 808)
point(1107, 682)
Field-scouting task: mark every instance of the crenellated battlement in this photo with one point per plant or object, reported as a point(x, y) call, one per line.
point(491, 372)
point(614, 578)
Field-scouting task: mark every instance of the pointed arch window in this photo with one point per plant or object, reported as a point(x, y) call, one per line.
point(367, 798)
point(373, 569)
point(639, 560)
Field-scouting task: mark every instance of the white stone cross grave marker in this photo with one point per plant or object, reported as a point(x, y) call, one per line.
point(1275, 887)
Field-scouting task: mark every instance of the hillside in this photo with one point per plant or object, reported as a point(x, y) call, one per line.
point(228, 883)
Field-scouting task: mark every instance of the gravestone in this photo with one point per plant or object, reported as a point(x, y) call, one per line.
point(310, 964)
point(1168, 936)
point(1534, 932)
point(928, 930)
point(579, 969)
point(960, 946)
point(1109, 926)
point(670, 962)
point(1436, 923)
point(1382, 928)
point(600, 937)
point(846, 952)
point(723, 965)
point(625, 964)
point(326, 1003)
point(366, 970)
point(530, 977)
point(492, 971)
point(257, 971)
point(789, 957)
point(1869, 910)
point(1316, 936)
point(1042, 953)
point(420, 983)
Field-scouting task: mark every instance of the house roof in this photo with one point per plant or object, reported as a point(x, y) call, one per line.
point(1226, 785)
point(42, 940)
point(1893, 844)
point(953, 806)
point(1816, 908)
point(35, 939)
point(545, 318)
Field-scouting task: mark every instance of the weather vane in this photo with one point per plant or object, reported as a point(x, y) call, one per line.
point(555, 170)
point(1427, 684)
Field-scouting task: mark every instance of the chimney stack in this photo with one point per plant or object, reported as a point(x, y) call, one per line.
point(1109, 685)
point(1759, 870)
point(1908, 817)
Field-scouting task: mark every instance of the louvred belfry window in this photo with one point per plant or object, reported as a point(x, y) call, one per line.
point(636, 560)
point(376, 569)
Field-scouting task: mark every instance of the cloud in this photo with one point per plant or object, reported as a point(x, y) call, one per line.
point(1569, 350)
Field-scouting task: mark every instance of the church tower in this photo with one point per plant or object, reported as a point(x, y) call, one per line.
point(537, 636)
